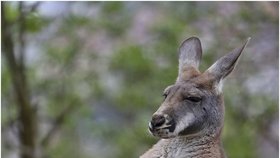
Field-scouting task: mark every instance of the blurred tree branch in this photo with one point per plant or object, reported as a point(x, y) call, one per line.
point(27, 121)
point(58, 121)
point(21, 21)
point(17, 68)
point(35, 6)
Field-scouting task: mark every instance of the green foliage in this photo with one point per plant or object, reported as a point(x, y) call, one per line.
point(61, 150)
point(236, 134)
point(112, 8)
point(114, 18)
point(134, 134)
point(246, 14)
point(184, 12)
point(74, 21)
point(6, 79)
point(132, 63)
point(11, 12)
point(63, 55)
point(35, 23)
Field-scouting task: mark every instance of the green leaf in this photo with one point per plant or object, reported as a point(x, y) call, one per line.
point(11, 12)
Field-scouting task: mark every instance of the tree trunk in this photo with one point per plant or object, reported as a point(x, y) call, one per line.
point(27, 116)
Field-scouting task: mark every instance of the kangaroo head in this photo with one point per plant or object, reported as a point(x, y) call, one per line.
point(193, 105)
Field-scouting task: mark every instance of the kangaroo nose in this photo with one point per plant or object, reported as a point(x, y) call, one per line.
point(157, 121)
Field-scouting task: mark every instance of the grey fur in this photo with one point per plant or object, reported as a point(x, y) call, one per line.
point(190, 53)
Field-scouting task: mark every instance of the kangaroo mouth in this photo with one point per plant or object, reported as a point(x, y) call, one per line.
point(165, 131)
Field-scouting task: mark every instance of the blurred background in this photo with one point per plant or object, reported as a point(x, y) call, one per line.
point(82, 79)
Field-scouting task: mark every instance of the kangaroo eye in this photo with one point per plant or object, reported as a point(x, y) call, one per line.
point(164, 95)
point(194, 99)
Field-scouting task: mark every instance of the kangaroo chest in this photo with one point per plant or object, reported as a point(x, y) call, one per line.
point(184, 149)
point(192, 151)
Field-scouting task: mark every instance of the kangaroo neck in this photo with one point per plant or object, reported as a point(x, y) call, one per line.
point(195, 147)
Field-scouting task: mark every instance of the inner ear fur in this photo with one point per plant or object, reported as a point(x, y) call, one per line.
point(190, 53)
point(225, 65)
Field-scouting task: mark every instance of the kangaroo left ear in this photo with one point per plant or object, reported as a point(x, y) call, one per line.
point(190, 53)
point(224, 66)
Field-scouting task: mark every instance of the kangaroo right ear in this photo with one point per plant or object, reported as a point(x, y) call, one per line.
point(190, 53)
point(225, 65)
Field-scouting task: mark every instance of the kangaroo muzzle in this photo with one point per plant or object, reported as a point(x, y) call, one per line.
point(161, 125)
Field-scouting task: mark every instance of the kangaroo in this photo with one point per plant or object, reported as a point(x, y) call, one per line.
point(190, 119)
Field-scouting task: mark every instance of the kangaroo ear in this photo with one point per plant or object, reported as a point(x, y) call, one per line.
point(189, 54)
point(224, 66)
